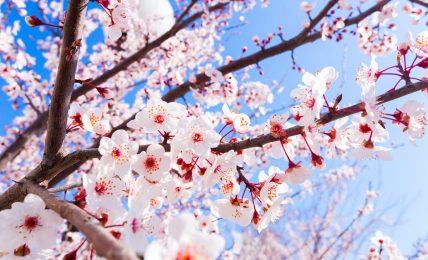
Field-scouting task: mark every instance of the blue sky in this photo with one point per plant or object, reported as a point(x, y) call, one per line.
point(402, 180)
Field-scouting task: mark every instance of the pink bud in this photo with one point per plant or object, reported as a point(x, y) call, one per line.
point(33, 21)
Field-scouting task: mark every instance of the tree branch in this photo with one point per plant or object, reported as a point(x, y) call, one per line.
point(40, 174)
point(39, 124)
point(60, 102)
point(104, 243)
point(261, 140)
point(66, 187)
point(419, 2)
point(299, 40)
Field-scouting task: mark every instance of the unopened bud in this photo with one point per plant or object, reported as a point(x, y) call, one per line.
point(33, 21)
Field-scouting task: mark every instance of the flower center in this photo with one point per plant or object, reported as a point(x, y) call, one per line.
point(151, 164)
point(93, 119)
point(135, 226)
point(159, 119)
point(197, 137)
point(31, 222)
point(116, 153)
point(186, 254)
point(100, 188)
point(310, 103)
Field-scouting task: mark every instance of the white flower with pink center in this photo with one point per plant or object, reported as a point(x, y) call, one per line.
point(138, 229)
point(234, 209)
point(368, 74)
point(118, 152)
point(272, 186)
point(176, 190)
point(158, 116)
point(420, 45)
point(277, 125)
point(214, 75)
point(144, 195)
point(240, 122)
point(310, 96)
point(153, 163)
point(119, 22)
point(196, 136)
point(296, 174)
point(272, 213)
point(411, 118)
point(25, 223)
point(186, 241)
point(94, 121)
point(102, 188)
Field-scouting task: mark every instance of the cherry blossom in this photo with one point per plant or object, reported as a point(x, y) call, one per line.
point(104, 191)
point(159, 13)
point(234, 209)
point(368, 75)
point(180, 138)
point(411, 118)
point(257, 94)
point(25, 223)
point(277, 125)
point(187, 241)
point(118, 152)
point(138, 229)
point(272, 186)
point(272, 214)
point(199, 138)
point(119, 22)
point(158, 116)
point(176, 190)
point(214, 75)
point(153, 163)
point(295, 174)
point(94, 121)
point(240, 122)
point(420, 45)
point(306, 6)
point(311, 95)
point(145, 195)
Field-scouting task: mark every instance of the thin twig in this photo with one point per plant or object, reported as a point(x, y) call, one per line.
point(66, 187)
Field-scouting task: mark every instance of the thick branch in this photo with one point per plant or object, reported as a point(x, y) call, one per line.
point(420, 2)
point(104, 243)
point(60, 102)
point(261, 140)
point(325, 119)
point(40, 174)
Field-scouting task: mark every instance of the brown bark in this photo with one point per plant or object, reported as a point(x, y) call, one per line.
point(104, 243)
point(420, 2)
point(60, 101)
point(261, 140)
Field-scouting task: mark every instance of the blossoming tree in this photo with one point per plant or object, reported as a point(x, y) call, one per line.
point(153, 178)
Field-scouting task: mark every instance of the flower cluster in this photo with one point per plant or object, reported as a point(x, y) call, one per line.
point(166, 170)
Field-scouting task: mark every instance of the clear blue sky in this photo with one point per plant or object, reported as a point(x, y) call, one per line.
point(402, 180)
